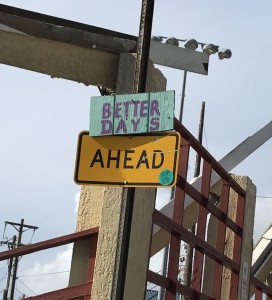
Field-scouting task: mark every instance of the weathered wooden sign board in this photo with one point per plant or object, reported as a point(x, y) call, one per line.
point(132, 114)
point(139, 160)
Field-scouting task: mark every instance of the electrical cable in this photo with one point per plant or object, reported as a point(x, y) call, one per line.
point(19, 291)
point(26, 286)
point(43, 274)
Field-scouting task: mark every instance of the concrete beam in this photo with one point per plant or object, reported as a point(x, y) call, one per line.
point(60, 60)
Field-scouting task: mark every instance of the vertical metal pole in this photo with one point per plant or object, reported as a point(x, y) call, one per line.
point(143, 46)
point(189, 253)
point(200, 135)
point(166, 249)
point(140, 77)
point(172, 195)
point(182, 96)
point(16, 259)
point(5, 292)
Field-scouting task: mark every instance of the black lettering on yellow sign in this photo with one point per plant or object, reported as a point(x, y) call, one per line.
point(154, 160)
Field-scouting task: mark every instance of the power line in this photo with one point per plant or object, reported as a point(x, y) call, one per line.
point(13, 262)
point(19, 291)
point(43, 274)
point(26, 286)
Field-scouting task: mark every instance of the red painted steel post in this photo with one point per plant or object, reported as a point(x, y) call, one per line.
point(93, 244)
point(91, 263)
point(173, 265)
point(201, 226)
point(237, 247)
point(258, 294)
point(220, 241)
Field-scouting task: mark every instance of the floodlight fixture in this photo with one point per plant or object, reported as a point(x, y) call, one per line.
point(191, 44)
point(172, 41)
point(224, 53)
point(157, 38)
point(210, 48)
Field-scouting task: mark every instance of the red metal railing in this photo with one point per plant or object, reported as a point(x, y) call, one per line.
point(261, 289)
point(81, 290)
point(179, 233)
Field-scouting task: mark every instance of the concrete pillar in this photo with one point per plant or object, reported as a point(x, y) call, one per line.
point(105, 207)
point(246, 183)
point(247, 244)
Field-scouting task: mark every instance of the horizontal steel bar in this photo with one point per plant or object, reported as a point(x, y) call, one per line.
point(183, 234)
point(59, 241)
point(261, 286)
point(19, 224)
point(200, 199)
point(62, 22)
point(66, 293)
point(207, 156)
point(180, 288)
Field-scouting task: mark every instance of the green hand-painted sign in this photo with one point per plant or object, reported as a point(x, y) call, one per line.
point(132, 114)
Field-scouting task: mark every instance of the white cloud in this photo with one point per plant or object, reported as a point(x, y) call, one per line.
point(44, 277)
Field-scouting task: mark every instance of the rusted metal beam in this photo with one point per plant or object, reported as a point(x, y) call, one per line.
point(261, 286)
point(45, 26)
point(183, 234)
point(220, 242)
point(91, 263)
point(208, 157)
point(200, 199)
point(180, 288)
point(55, 242)
point(143, 46)
point(173, 265)
point(139, 86)
point(201, 226)
point(82, 290)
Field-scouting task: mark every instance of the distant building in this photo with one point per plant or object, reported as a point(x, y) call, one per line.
point(151, 295)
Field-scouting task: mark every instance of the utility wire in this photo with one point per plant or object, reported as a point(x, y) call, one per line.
point(19, 291)
point(3, 277)
point(35, 275)
point(267, 197)
point(26, 286)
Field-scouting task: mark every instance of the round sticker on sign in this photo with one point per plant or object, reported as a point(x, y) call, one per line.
point(166, 177)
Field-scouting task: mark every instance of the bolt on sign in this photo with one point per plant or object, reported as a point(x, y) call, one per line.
point(132, 114)
point(138, 160)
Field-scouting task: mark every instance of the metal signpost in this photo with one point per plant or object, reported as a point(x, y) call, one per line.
point(138, 160)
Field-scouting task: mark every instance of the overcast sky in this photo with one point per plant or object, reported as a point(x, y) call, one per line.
point(41, 117)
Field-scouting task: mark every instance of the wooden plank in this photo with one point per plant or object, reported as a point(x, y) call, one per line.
point(66, 293)
point(102, 107)
point(132, 113)
point(165, 115)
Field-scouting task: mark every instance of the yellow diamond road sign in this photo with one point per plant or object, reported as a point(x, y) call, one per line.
point(138, 160)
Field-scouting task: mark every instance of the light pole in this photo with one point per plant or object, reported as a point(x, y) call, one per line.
point(210, 49)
